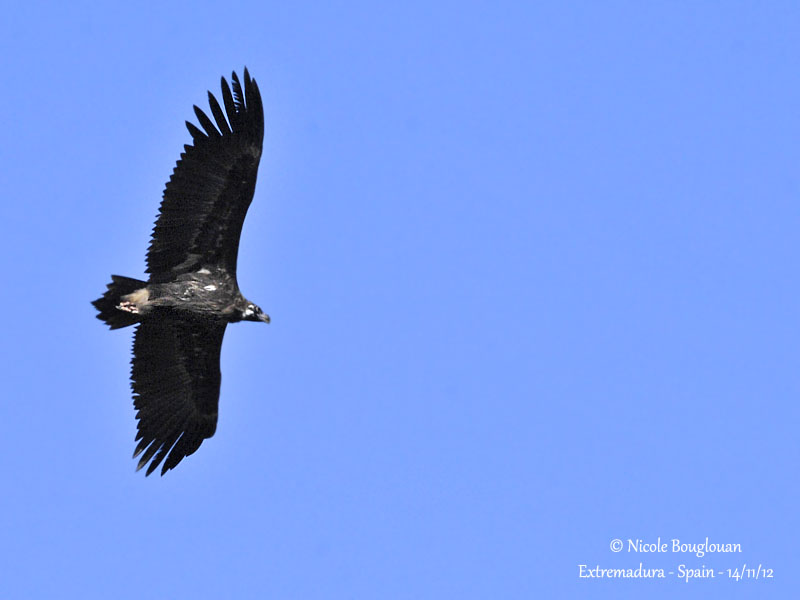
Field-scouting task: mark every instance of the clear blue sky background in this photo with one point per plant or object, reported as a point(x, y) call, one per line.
point(533, 274)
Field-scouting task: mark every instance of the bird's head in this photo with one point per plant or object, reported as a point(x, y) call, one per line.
point(252, 312)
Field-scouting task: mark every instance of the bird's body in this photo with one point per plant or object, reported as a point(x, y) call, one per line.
point(207, 293)
point(192, 292)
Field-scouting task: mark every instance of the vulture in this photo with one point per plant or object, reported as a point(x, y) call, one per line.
point(191, 293)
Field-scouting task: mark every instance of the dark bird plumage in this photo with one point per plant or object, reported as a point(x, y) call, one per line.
point(192, 292)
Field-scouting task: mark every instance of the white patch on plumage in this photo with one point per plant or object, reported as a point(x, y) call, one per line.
point(210, 288)
point(140, 296)
point(249, 312)
point(204, 271)
point(134, 301)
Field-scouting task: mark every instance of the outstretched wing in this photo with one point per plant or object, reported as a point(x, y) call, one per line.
point(175, 378)
point(206, 199)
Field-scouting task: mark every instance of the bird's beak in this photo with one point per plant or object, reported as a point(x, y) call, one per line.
point(265, 318)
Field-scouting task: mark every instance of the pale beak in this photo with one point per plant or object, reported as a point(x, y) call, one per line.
point(264, 317)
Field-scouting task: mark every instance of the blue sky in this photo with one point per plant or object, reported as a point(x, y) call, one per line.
point(533, 280)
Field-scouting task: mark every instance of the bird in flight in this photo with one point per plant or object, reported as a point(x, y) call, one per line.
point(191, 294)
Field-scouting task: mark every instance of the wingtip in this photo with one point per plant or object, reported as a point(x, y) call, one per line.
point(137, 451)
point(194, 132)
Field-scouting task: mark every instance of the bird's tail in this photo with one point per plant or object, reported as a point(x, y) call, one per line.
point(107, 304)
